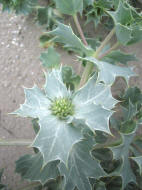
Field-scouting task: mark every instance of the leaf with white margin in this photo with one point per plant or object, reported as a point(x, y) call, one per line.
point(55, 139)
point(96, 92)
point(108, 72)
point(65, 35)
point(81, 167)
point(54, 86)
point(36, 104)
point(93, 103)
point(138, 160)
point(30, 167)
point(122, 152)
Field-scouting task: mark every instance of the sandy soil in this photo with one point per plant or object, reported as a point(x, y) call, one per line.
point(20, 66)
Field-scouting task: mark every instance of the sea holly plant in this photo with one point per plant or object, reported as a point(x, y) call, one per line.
point(85, 138)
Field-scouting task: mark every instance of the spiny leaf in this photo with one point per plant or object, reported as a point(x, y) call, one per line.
point(122, 152)
point(48, 16)
point(55, 139)
point(70, 78)
point(128, 23)
point(35, 104)
point(93, 106)
point(53, 132)
point(137, 143)
point(30, 167)
point(65, 35)
point(57, 135)
point(130, 111)
point(82, 166)
point(119, 57)
point(138, 160)
point(50, 59)
point(134, 95)
point(69, 7)
point(108, 72)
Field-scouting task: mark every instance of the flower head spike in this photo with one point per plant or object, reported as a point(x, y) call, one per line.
point(56, 108)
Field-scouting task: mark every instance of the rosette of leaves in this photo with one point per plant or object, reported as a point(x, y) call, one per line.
point(57, 108)
point(128, 23)
point(60, 137)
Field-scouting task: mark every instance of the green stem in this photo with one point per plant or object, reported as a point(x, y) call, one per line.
point(16, 142)
point(80, 29)
point(31, 186)
point(89, 67)
point(115, 46)
point(106, 40)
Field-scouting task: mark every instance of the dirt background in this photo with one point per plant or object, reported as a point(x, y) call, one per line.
point(20, 66)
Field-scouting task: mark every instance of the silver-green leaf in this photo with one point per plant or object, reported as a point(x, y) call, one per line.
point(30, 167)
point(81, 167)
point(122, 152)
point(66, 36)
point(50, 59)
point(108, 72)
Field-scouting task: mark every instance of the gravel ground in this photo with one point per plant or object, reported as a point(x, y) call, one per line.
point(20, 66)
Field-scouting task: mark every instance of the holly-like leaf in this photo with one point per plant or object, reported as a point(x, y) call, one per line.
point(69, 7)
point(82, 166)
point(119, 57)
point(55, 139)
point(65, 35)
point(96, 114)
point(108, 72)
point(56, 109)
point(48, 16)
point(70, 78)
point(130, 111)
point(128, 23)
point(138, 160)
point(30, 167)
point(50, 59)
point(122, 152)
point(53, 132)
point(134, 95)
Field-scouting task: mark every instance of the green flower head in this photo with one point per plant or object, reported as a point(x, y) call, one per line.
point(57, 108)
point(62, 107)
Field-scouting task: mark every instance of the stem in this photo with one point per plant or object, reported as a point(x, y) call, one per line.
point(16, 142)
point(80, 29)
point(115, 46)
point(89, 66)
point(106, 40)
point(86, 73)
point(31, 186)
